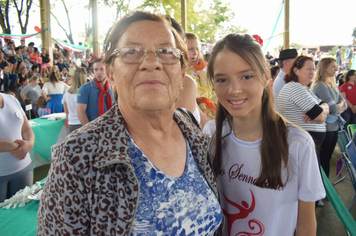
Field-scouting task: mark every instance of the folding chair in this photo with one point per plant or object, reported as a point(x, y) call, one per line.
point(342, 141)
point(351, 130)
point(352, 172)
point(351, 152)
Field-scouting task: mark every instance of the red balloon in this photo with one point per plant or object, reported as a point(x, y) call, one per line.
point(38, 29)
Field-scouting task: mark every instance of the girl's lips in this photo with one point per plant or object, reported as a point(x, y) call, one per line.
point(237, 103)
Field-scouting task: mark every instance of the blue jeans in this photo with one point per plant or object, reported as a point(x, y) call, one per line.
point(7, 79)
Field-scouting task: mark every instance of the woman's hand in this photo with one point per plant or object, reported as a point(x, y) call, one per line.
point(23, 148)
point(341, 107)
point(353, 109)
point(322, 117)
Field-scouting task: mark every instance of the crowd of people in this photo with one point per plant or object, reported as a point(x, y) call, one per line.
point(169, 136)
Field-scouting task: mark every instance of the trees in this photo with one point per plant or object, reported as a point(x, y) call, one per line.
point(22, 9)
point(208, 19)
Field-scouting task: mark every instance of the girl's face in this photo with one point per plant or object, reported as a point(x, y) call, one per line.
point(193, 49)
point(237, 86)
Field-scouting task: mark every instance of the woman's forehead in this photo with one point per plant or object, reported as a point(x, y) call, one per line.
point(141, 32)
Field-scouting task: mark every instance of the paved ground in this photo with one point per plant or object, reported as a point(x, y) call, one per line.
point(328, 222)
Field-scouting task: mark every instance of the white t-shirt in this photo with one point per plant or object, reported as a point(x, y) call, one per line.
point(58, 88)
point(11, 121)
point(252, 209)
point(71, 100)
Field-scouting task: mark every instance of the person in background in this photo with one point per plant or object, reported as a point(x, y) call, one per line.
point(142, 154)
point(10, 56)
point(33, 92)
point(348, 91)
point(266, 167)
point(16, 140)
point(46, 62)
point(26, 57)
point(324, 87)
point(61, 64)
point(298, 104)
point(339, 57)
point(22, 76)
point(19, 90)
point(196, 69)
point(274, 73)
point(10, 79)
point(52, 92)
point(70, 99)
point(284, 62)
point(68, 81)
point(96, 96)
point(56, 55)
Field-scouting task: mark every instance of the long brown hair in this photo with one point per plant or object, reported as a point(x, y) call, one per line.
point(274, 151)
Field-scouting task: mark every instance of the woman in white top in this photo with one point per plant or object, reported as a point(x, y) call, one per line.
point(70, 99)
point(267, 170)
point(16, 140)
point(52, 92)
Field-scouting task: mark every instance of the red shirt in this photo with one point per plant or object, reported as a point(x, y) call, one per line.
point(350, 91)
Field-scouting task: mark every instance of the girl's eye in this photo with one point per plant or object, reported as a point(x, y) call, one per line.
point(247, 77)
point(220, 80)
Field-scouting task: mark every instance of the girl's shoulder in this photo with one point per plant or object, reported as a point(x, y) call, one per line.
point(298, 134)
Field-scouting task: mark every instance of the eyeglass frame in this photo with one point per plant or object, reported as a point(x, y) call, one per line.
point(116, 52)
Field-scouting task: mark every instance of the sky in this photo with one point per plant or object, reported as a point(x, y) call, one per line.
point(312, 22)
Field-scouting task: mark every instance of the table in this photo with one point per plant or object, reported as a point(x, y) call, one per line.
point(47, 133)
point(19, 221)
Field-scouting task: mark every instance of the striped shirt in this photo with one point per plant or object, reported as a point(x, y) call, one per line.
point(294, 101)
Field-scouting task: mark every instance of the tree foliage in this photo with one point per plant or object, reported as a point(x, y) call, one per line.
point(23, 12)
point(208, 19)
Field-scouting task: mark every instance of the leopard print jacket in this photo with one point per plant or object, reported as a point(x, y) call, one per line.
point(91, 188)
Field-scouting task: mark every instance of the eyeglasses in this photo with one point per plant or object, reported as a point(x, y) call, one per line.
point(137, 55)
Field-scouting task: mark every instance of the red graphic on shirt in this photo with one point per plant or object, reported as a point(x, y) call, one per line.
point(245, 210)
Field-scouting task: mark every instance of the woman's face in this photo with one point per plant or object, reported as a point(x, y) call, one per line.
point(331, 69)
point(193, 49)
point(148, 85)
point(306, 73)
point(237, 86)
point(24, 70)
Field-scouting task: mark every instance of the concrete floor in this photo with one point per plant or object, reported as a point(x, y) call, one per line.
point(328, 222)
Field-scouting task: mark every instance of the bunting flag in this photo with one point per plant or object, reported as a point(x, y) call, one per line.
point(22, 36)
point(67, 46)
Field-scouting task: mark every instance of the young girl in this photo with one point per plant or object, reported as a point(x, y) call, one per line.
point(267, 169)
point(197, 70)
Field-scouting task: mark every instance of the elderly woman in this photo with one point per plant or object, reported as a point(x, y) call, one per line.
point(141, 168)
point(299, 104)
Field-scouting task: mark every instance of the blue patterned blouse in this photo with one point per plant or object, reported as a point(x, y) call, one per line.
point(173, 206)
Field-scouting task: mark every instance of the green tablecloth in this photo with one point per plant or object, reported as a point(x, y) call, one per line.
point(21, 221)
point(47, 133)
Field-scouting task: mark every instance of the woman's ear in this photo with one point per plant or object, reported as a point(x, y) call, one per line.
point(109, 73)
point(295, 70)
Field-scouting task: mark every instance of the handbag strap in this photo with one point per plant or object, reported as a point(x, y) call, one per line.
point(186, 112)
